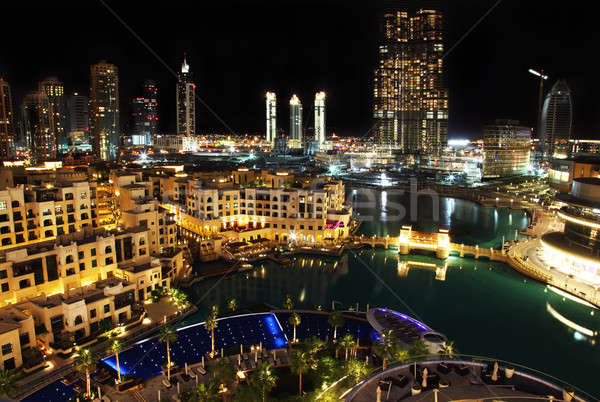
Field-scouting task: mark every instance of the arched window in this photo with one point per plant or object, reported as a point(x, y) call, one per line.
point(108, 250)
point(319, 201)
point(69, 259)
point(78, 320)
point(274, 198)
point(209, 199)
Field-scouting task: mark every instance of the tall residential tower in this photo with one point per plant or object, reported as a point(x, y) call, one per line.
point(295, 135)
point(557, 119)
point(271, 133)
point(40, 138)
point(7, 122)
point(186, 101)
point(410, 100)
point(104, 110)
point(144, 115)
point(55, 91)
point(320, 133)
point(79, 124)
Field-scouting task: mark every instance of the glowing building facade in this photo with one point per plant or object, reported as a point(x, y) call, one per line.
point(104, 110)
point(506, 149)
point(79, 123)
point(186, 101)
point(295, 135)
point(410, 100)
point(55, 92)
point(271, 131)
point(320, 133)
point(7, 122)
point(576, 251)
point(40, 138)
point(557, 119)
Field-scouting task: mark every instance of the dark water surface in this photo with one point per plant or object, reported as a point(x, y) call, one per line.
point(485, 307)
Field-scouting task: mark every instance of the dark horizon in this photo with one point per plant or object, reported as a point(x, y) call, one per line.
point(238, 53)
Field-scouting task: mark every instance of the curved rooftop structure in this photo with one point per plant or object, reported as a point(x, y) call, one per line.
point(406, 329)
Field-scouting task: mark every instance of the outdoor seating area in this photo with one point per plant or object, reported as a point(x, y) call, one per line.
point(404, 328)
point(451, 380)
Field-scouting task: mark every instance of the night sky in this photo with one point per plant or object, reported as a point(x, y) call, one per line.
point(239, 50)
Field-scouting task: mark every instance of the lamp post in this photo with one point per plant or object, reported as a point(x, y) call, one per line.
point(540, 96)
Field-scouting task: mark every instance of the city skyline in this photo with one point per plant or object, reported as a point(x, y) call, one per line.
point(349, 92)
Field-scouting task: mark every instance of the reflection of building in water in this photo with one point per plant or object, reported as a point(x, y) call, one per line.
point(307, 280)
point(440, 270)
point(580, 332)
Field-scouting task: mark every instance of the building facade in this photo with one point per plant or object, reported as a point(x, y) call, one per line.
point(78, 120)
point(271, 121)
point(37, 123)
point(104, 110)
point(320, 126)
point(7, 122)
point(144, 116)
point(186, 101)
point(410, 100)
point(557, 120)
point(55, 92)
point(295, 135)
point(506, 149)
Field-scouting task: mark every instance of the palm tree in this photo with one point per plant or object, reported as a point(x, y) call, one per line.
point(224, 373)
point(116, 347)
point(263, 380)
point(385, 346)
point(288, 302)
point(448, 350)
point(233, 305)
point(214, 310)
point(312, 346)
point(208, 392)
point(347, 342)
point(356, 370)
point(211, 324)
point(7, 383)
point(167, 335)
point(419, 349)
point(86, 362)
point(294, 320)
point(299, 364)
point(401, 355)
point(336, 320)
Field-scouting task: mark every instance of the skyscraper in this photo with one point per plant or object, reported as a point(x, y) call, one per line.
point(320, 132)
point(7, 122)
point(55, 92)
point(40, 138)
point(271, 133)
point(410, 101)
point(295, 123)
point(104, 110)
point(78, 116)
point(144, 115)
point(557, 119)
point(506, 149)
point(186, 101)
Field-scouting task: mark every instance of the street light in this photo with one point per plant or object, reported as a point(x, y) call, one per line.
point(541, 93)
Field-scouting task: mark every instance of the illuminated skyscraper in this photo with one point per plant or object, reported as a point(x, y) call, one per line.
point(7, 122)
point(55, 92)
point(186, 101)
point(295, 135)
point(144, 115)
point(104, 110)
point(506, 149)
point(41, 141)
point(271, 133)
point(557, 119)
point(78, 116)
point(410, 101)
point(320, 132)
